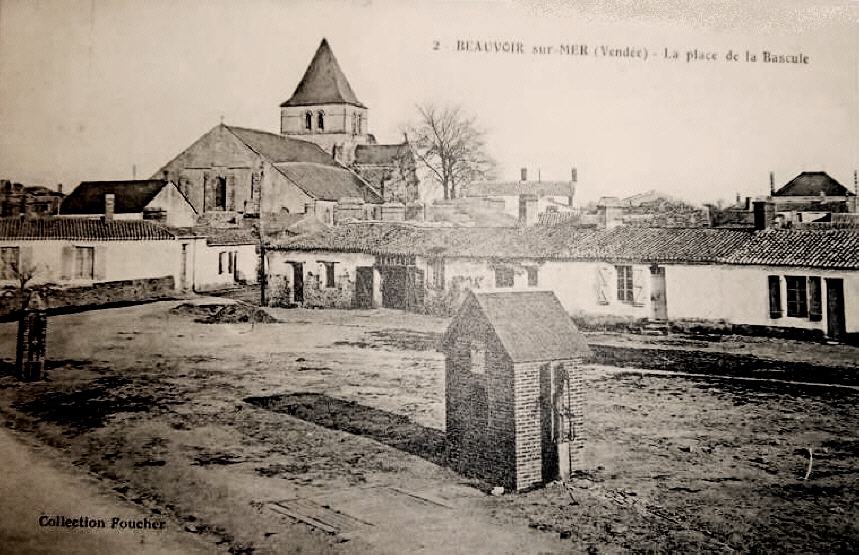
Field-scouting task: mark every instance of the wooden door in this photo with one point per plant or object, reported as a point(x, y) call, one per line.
point(297, 282)
point(549, 424)
point(835, 309)
point(658, 302)
point(364, 287)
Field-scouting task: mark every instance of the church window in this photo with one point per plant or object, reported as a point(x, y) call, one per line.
point(320, 121)
point(360, 124)
point(308, 121)
point(354, 124)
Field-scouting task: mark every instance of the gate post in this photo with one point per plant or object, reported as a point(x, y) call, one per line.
point(32, 332)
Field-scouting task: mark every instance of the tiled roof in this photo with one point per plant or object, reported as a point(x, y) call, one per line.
point(323, 82)
point(81, 229)
point(809, 248)
point(131, 197)
point(531, 325)
point(813, 184)
point(326, 182)
point(555, 218)
point(512, 188)
point(831, 248)
point(278, 148)
point(380, 154)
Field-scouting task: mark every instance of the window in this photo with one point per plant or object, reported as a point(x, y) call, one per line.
point(308, 121)
point(329, 274)
point(624, 283)
point(83, 263)
point(220, 193)
point(504, 276)
point(437, 274)
point(477, 358)
point(797, 304)
point(360, 124)
point(533, 278)
point(774, 283)
point(224, 260)
point(9, 259)
point(320, 121)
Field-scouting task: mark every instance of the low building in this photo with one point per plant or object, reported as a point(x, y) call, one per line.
point(513, 388)
point(155, 200)
point(18, 200)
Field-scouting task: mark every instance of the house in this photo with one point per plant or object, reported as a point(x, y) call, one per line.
point(536, 197)
point(811, 197)
point(324, 110)
point(513, 388)
point(87, 261)
point(217, 258)
point(18, 200)
point(625, 274)
point(156, 200)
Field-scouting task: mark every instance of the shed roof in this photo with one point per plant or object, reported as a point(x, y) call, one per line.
point(323, 82)
point(531, 325)
point(813, 184)
point(325, 182)
point(278, 148)
point(81, 229)
point(130, 196)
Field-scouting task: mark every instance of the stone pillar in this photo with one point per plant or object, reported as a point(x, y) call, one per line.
point(32, 332)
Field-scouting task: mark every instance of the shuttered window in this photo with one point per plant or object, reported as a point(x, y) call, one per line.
point(84, 267)
point(797, 305)
point(775, 296)
point(815, 302)
point(504, 276)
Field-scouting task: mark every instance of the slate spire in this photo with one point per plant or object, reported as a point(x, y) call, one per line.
point(323, 82)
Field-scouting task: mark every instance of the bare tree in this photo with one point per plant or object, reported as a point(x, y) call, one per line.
point(450, 146)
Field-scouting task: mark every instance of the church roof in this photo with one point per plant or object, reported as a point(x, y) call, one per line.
point(327, 182)
point(130, 197)
point(809, 184)
point(278, 148)
point(380, 154)
point(323, 82)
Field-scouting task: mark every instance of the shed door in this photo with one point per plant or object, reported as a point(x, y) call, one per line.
point(835, 309)
point(549, 423)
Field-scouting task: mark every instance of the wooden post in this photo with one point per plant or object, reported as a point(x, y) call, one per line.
point(32, 333)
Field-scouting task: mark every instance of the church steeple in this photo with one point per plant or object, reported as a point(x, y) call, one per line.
point(323, 82)
point(324, 109)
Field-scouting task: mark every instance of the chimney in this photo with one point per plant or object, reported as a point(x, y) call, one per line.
point(109, 205)
point(748, 203)
point(60, 188)
point(764, 214)
point(524, 175)
point(574, 178)
point(772, 183)
point(739, 198)
point(856, 182)
point(527, 209)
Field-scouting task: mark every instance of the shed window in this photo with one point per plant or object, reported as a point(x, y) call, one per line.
point(797, 304)
point(308, 121)
point(83, 263)
point(774, 283)
point(624, 283)
point(9, 260)
point(533, 277)
point(504, 276)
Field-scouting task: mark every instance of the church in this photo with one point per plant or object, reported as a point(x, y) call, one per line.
point(324, 159)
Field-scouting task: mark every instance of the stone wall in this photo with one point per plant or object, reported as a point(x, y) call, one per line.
point(342, 295)
point(99, 294)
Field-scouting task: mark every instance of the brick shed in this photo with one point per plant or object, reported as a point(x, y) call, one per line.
point(513, 388)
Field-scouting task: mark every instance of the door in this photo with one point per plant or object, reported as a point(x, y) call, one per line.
point(394, 287)
point(835, 309)
point(549, 423)
point(183, 273)
point(658, 302)
point(364, 287)
point(297, 282)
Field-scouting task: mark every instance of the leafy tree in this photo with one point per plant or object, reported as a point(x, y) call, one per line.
point(450, 146)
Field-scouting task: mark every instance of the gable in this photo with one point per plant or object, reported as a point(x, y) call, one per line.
point(217, 147)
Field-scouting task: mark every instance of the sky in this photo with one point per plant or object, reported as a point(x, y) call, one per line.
point(104, 89)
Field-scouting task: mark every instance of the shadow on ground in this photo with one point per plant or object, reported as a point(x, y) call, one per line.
point(393, 430)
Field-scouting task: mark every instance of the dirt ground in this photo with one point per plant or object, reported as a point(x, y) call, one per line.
point(324, 433)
